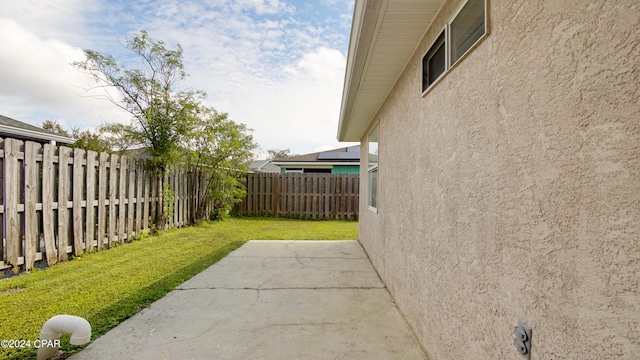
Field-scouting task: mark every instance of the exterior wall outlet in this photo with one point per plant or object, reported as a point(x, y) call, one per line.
point(523, 339)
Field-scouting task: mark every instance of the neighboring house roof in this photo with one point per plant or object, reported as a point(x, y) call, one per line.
point(17, 129)
point(384, 36)
point(263, 166)
point(343, 156)
point(140, 153)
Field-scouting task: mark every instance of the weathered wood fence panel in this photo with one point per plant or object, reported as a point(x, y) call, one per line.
point(307, 196)
point(61, 201)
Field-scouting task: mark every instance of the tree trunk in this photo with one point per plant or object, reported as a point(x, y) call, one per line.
point(204, 192)
point(195, 194)
point(160, 220)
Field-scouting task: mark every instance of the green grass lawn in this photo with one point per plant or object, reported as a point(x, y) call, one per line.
point(109, 286)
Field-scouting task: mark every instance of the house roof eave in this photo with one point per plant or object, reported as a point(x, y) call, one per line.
point(314, 163)
point(384, 36)
point(35, 134)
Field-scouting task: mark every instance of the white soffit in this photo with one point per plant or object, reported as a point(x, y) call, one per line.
point(384, 35)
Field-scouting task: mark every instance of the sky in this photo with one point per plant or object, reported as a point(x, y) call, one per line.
point(276, 66)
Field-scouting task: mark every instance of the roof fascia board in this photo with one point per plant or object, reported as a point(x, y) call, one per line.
point(36, 134)
point(360, 43)
point(350, 94)
point(406, 63)
point(315, 163)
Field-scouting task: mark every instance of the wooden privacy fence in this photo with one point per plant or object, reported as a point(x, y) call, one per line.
point(307, 196)
point(61, 201)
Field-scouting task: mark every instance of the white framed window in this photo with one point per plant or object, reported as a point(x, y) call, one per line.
point(466, 28)
point(434, 62)
point(372, 169)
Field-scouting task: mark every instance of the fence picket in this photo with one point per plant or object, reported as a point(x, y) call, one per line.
point(122, 196)
point(184, 197)
point(174, 185)
point(11, 198)
point(90, 220)
point(138, 217)
point(145, 207)
point(31, 176)
point(113, 191)
point(131, 195)
point(315, 200)
point(48, 179)
point(78, 184)
point(154, 196)
point(179, 196)
point(298, 209)
point(102, 200)
point(63, 196)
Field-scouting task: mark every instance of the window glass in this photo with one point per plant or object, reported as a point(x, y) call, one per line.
point(437, 64)
point(373, 147)
point(458, 36)
point(434, 63)
point(467, 28)
point(373, 188)
point(372, 168)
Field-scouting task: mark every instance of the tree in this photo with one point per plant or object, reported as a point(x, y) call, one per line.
point(162, 114)
point(89, 140)
point(85, 139)
point(278, 154)
point(55, 127)
point(220, 152)
point(172, 124)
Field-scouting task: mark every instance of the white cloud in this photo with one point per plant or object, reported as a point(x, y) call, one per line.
point(51, 19)
point(262, 7)
point(324, 64)
point(37, 73)
point(302, 111)
point(270, 65)
point(275, 75)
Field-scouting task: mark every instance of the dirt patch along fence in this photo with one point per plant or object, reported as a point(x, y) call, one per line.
point(58, 202)
point(295, 195)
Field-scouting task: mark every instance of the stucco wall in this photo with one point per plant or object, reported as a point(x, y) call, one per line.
point(512, 189)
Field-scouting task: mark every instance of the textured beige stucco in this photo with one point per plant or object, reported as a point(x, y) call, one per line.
point(511, 190)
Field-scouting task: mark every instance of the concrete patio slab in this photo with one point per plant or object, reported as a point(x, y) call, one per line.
point(270, 300)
